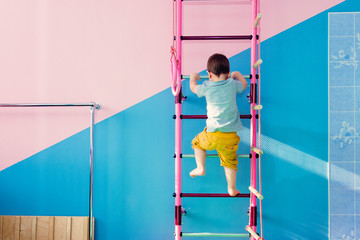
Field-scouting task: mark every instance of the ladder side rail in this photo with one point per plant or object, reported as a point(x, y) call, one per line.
point(253, 123)
point(259, 121)
point(178, 124)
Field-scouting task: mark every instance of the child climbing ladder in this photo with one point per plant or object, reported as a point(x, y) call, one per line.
point(254, 116)
point(223, 120)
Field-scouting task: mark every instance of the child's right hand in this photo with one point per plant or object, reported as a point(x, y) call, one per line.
point(195, 76)
point(236, 75)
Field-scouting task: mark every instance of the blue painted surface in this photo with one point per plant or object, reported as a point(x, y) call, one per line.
point(134, 168)
point(52, 182)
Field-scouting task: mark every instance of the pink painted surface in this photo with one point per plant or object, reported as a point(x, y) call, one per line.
point(81, 51)
point(112, 52)
point(179, 21)
point(201, 18)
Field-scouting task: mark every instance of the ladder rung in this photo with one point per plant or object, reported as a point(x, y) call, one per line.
point(252, 232)
point(258, 151)
point(257, 63)
point(256, 193)
point(229, 37)
point(257, 20)
point(248, 2)
point(205, 116)
point(207, 76)
point(215, 155)
point(257, 107)
point(219, 195)
point(214, 234)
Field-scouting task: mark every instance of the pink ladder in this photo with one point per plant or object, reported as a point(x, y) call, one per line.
point(254, 116)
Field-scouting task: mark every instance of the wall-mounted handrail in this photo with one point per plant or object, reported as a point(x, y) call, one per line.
point(91, 104)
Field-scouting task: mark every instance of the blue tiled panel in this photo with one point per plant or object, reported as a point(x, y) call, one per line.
point(357, 37)
point(357, 98)
point(357, 227)
point(357, 74)
point(337, 27)
point(341, 74)
point(344, 227)
point(357, 138)
point(341, 49)
point(342, 136)
point(357, 191)
point(344, 120)
point(341, 153)
point(357, 22)
point(357, 49)
point(341, 123)
point(342, 188)
point(341, 99)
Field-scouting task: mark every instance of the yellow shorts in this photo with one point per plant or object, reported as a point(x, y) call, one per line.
point(226, 145)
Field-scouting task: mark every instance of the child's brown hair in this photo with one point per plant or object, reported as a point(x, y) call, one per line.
point(218, 64)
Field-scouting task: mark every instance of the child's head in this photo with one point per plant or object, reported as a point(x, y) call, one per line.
point(218, 64)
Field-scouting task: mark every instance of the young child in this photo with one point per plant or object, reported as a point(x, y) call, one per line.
point(223, 117)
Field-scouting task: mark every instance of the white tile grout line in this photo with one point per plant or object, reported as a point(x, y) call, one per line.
point(343, 162)
point(344, 215)
point(335, 13)
point(354, 136)
point(345, 86)
point(340, 36)
point(337, 61)
point(329, 218)
point(344, 111)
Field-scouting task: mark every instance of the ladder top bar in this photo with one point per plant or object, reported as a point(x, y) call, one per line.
point(222, 1)
point(207, 76)
point(205, 234)
point(205, 116)
point(229, 37)
point(215, 155)
point(221, 195)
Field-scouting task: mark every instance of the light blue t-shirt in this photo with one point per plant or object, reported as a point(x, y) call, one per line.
point(222, 110)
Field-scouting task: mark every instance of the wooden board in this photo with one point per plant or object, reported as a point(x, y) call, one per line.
point(44, 228)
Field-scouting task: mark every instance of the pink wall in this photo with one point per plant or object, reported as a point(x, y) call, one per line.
point(233, 17)
point(113, 52)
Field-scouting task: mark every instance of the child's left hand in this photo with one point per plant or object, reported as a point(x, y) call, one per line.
point(195, 76)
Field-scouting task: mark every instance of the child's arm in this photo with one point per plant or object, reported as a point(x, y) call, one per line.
point(237, 75)
point(193, 84)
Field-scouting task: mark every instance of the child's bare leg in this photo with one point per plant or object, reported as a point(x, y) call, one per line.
point(200, 157)
point(231, 180)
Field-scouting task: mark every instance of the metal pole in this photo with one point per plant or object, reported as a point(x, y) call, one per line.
point(50, 105)
point(91, 222)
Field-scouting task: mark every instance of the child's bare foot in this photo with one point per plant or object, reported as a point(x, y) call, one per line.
point(197, 172)
point(233, 191)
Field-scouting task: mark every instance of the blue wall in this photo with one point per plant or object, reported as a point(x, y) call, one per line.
point(134, 168)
